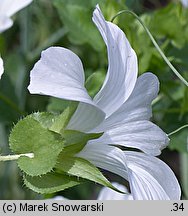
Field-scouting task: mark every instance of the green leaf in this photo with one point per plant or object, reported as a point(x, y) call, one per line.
point(16, 69)
point(55, 122)
point(73, 137)
point(51, 182)
point(9, 110)
point(46, 119)
point(77, 19)
point(168, 16)
point(29, 136)
point(82, 168)
point(94, 82)
point(57, 105)
point(63, 119)
point(75, 141)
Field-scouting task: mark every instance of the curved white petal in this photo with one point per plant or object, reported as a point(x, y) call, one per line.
point(10, 7)
point(122, 69)
point(129, 125)
point(138, 105)
point(106, 157)
point(85, 118)
point(1, 67)
point(5, 23)
point(142, 135)
point(59, 73)
point(150, 178)
point(109, 194)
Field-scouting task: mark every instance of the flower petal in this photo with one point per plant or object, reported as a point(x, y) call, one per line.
point(1, 67)
point(59, 73)
point(143, 135)
point(150, 178)
point(5, 23)
point(129, 125)
point(86, 118)
point(122, 69)
point(106, 157)
point(10, 7)
point(109, 194)
point(138, 105)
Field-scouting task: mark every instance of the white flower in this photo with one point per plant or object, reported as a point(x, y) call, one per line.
point(1, 67)
point(149, 177)
point(9, 8)
point(184, 3)
point(109, 194)
point(121, 109)
point(59, 198)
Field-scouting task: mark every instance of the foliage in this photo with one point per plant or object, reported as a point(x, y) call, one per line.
point(68, 23)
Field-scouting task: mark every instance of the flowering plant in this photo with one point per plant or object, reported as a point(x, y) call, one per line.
point(111, 130)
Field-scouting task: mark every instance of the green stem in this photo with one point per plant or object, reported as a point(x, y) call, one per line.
point(154, 43)
point(177, 130)
point(15, 157)
point(157, 99)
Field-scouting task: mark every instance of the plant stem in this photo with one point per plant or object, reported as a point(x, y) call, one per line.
point(177, 130)
point(154, 43)
point(15, 157)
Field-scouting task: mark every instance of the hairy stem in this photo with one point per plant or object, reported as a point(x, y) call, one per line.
point(15, 157)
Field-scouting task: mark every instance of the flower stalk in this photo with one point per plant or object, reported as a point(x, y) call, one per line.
point(15, 157)
point(177, 130)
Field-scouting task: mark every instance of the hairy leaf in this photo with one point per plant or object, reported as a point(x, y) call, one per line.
point(51, 182)
point(29, 136)
point(82, 168)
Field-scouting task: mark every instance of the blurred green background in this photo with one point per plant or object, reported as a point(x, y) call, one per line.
point(68, 23)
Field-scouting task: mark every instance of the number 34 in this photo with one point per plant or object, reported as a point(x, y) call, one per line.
point(177, 206)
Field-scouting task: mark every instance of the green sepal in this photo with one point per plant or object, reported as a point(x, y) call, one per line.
point(75, 141)
point(80, 167)
point(51, 182)
point(56, 122)
point(72, 137)
point(46, 119)
point(57, 105)
point(63, 119)
point(29, 136)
